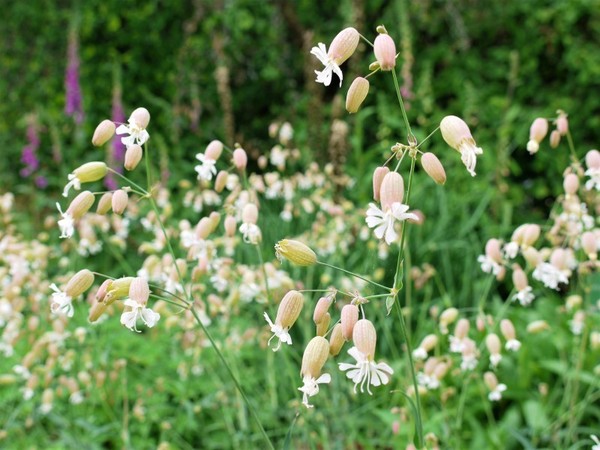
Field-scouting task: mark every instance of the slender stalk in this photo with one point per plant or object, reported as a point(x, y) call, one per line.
point(264, 271)
point(411, 138)
point(354, 275)
point(428, 136)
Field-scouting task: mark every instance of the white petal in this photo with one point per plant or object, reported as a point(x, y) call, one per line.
point(149, 317)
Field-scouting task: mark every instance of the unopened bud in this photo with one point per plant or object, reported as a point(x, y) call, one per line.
point(364, 337)
point(250, 213)
point(461, 329)
point(519, 279)
point(81, 204)
point(538, 130)
point(139, 290)
point(531, 233)
point(323, 325)
point(508, 329)
point(571, 183)
point(491, 381)
point(349, 317)
point(105, 203)
point(589, 245)
point(315, 356)
point(221, 181)
point(392, 190)
point(240, 158)
point(92, 171)
point(378, 175)
point(230, 226)
point(296, 252)
point(562, 124)
point(554, 138)
point(532, 256)
point(321, 308)
point(447, 317)
point(141, 117)
point(119, 201)
point(385, 51)
point(433, 167)
point(336, 340)
point(356, 94)
point(537, 326)
point(103, 132)
point(133, 156)
point(492, 342)
point(429, 342)
point(79, 283)
point(592, 159)
point(289, 309)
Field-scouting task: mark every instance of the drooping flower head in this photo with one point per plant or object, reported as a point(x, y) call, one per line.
point(287, 314)
point(88, 172)
point(295, 252)
point(537, 132)
point(78, 207)
point(341, 48)
point(61, 302)
point(457, 135)
point(385, 51)
point(135, 305)
point(366, 370)
point(315, 356)
point(136, 128)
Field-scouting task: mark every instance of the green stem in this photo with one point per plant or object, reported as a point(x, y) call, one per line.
point(572, 147)
point(264, 271)
point(428, 136)
point(354, 275)
point(143, 191)
point(233, 377)
point(410, 138)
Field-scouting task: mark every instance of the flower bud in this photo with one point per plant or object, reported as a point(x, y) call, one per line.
point(429, 342)
point(139, 290)
point(230, 226)
point(133, 156)
point(315, 356)
point(119, 201)
point(492, 342)
point(321, 308)
point(79, 283)
point(455, 131)
point(349, 317)
point(461, 329)
point(559, 258)
point(103, 132)
point(336, 340)
point(592, 159)
point(323, 325)
point(289, 309)
point(447, 317)
point(295, 252)
point(531, 233)
point(92, 171)
point(537, 132)
point(215, 219)
point(588, 244)
point(378, 175)
point(519, 279)
point(537, 326)
point(492, 250)
point(571, 183)
point(562, 124)
point(491, 381)
point(385, 51)
point(204, 228)
point(96, 311)
point(114, 290)
point(214, 150)
point(364, 337)
point(141, 117)
point(356, 94)
point(343, 45)
point(240, 158)
point(554, 138)
point(105, 203)
point(392, 190)
point(433, 167)
point(221, 181)
point(532, 256)
point(81, 204)
point(250, 213)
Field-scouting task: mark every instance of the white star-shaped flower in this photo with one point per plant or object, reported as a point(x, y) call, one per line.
point(207, 169)
point(488, 265)
point(251, 232)
point(550, 275)
point(137, 134)
point(61, 303)
point(311, 387)
point(383, 222)
point(366, 371)
point(594, 181)
point(279, 332)
point(496, 394)
point(525, 296)
point(513, 345)
point(74, 183)
point(66, 224)
point(594, 438)
point(129, 318)
point(324, 76)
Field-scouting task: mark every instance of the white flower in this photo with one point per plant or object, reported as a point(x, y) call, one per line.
point(251, 232)
point(137, 135)
point(74, 183)
point(279, 332)
point(419, 354)
point(525, 296)
point(66, 224)
point(383, 222)
point(550, 275)
point(468, 155)
point(324, 76)
point(365, 370)
point(129, 318)
point(468, 362)
point(513, 345)
point(61, 303)
point(495, 359)
point(207, 170)
point(496, 394)
point(594, 438)
point(457, 345)
point(429, 381)
point(488, 265)
point(311, 387)
point(594, 181)
point(511, 249)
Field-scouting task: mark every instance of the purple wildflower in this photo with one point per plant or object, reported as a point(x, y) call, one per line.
point(28, 155)
point(73, 104)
